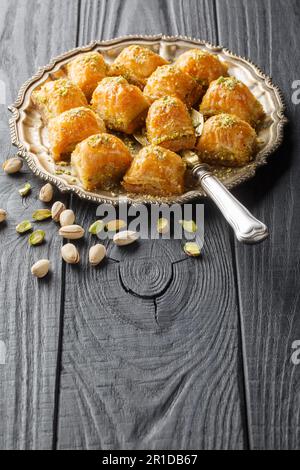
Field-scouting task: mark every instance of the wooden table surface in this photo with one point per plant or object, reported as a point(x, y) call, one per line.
point(186, 354)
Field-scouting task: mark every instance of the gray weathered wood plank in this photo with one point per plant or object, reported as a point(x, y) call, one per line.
point(161, 372)
point(268, 275)
point(31, 33)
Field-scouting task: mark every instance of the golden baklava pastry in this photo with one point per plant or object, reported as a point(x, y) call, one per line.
point(122, 106)
point(169, 80)
point(229, 95)
point(101, 161)
point(56, 97)
point(169, 124)
point(155, 171)
point(71, 127)
point(86, 71)
point(227, 140)
point(201, 65)
point(136, 64)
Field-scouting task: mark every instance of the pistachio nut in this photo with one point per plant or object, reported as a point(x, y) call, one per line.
point(125, 238)
point(57, 208)
point(96, 254)
point(163, 225)
point(72, 232)
point(37, 238)
point(41, 214)
point(96, 227)
point(12, 165)
point(70, 254)
point(189, 226)
point(115, 225)
point(41, 268)
point(46, 193)
point(24, 226)
point(3, 215)
point(25, 190)
point(192, 249)
point(67, 217)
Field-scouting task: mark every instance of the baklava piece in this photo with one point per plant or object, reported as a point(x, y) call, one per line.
point(101, 161)
point(169, 124)
point(86, 71)
point(71, 127)
point(122, 106)
point(202, 66)
point(229, 95)
point(227, 140)
point(136, 64)
point(169, 80)
point(56, 97)
point(155, 171)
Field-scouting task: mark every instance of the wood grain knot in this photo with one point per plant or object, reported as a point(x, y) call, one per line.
point(146, 278)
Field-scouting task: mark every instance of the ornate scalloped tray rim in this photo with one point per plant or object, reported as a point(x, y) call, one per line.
point(260, 160)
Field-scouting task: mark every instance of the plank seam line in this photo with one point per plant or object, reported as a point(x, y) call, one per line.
point(59, 359)
point(242, 347)
point(57, 387)
point(215, 16)
point(78, 23)
point(241, 338)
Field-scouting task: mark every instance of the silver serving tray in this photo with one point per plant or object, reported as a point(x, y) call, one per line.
point(30, 135)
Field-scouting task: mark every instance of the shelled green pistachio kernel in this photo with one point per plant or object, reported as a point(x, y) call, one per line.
point(24, 226)
point(25, 190)
point(96, 227)
point(37, 238)
point(3, 215)
point(41, 214)
point(12, 165)
point(115, 225)
point(189, 226)
point(162, 225)
point(192, 249)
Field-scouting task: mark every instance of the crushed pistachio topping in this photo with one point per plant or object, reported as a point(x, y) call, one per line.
point(78, 112)
point(169, 102)
point(97, 139)
point(91, 58)
point(159, 153)
point(141, 54)
point(119, 79)
point(168, 99)
point(225, 120)
point(63, 87)
point(229, 82)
